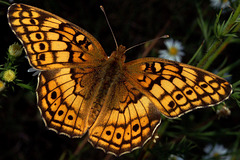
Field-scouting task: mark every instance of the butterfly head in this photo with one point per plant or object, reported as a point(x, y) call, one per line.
point(119, 53)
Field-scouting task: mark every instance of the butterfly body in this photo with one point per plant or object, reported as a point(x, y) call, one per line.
point(105, 83)
point(119, 104)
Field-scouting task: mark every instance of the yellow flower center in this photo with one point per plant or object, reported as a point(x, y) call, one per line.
point(9, 75)
point(1, 84)
point(173, 51)
point(216, 155)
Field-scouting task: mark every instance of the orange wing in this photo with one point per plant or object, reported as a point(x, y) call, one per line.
point(52, 42)
point(64, 99)
point(176, 88)
point(128, 119)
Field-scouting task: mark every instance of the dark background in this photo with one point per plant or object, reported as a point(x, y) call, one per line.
point(22, 132)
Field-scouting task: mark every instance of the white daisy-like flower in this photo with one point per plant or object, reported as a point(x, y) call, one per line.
point(174, 157)
point(174, 50)
point(35, 71)
point(155, 138)
point(217, 152)
point(218, 4)
point(223, 112)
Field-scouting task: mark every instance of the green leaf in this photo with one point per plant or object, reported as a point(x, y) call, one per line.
point(25, 86)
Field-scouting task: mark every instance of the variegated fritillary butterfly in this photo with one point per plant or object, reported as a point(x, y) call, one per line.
point(120, 104)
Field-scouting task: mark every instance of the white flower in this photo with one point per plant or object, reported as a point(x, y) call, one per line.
point(155, 138)
point(223, 112)
point(35, 71)
point(174, 157)
point(218, 4)
point(174, 50)
point(216, 152)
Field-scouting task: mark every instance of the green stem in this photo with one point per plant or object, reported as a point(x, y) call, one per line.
point(236, 14)
point(229, 67)
point(216, 53)
point(218, 46)
point(214, 46)
point(3, 2)
point(195, 54)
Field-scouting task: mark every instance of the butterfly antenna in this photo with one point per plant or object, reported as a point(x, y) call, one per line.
point(109, 26)
point(164, 36)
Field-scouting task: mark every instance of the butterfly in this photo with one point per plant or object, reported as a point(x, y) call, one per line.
point(119, 105)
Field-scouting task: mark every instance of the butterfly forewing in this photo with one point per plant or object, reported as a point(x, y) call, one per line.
point(177, 88)
point(52, 42)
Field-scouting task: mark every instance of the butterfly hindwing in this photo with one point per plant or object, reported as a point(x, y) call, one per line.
point(177, 88)
point(126, 122)
point(64, 99)
point(52, 42)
